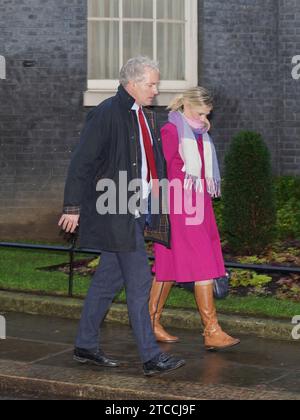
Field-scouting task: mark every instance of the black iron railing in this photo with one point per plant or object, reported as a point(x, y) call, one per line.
point(72, 250)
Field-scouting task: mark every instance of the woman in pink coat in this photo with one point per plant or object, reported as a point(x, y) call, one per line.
point(195, 255)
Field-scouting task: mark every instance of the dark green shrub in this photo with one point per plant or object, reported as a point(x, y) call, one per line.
point(288, 220)
point(286, 188)
point(248, 195)
point(288, 207)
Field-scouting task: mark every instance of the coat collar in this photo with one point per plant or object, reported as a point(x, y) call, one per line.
point(126, 99)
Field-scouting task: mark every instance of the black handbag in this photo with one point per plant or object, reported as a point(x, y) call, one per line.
point(221, 286)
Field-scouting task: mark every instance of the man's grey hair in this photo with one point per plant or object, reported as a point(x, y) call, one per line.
point(135, 68)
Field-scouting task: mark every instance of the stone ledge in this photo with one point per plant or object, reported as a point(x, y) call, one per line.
point(187, 319)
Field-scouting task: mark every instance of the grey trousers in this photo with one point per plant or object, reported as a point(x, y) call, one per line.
point(116, 270)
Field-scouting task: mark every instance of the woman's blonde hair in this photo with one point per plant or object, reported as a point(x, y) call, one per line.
point(196, 97)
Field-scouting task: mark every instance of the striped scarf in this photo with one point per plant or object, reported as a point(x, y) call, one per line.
point(189, 152)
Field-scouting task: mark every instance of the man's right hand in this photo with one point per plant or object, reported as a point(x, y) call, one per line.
point(69, 222)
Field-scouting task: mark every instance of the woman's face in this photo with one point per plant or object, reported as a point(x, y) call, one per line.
point(199, 113)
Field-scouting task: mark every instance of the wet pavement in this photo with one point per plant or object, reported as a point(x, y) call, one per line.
point(36, 359)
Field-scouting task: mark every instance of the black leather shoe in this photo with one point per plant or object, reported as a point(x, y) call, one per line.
point(162, 363)
point(97, 358)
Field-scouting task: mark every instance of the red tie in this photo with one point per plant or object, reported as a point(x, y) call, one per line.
point(148, 148)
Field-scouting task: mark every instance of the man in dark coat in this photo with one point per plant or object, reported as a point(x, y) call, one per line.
point(118, 141)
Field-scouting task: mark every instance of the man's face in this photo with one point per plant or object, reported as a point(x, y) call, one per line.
point(144, 92)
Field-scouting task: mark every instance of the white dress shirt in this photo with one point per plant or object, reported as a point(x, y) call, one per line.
point(146, 185)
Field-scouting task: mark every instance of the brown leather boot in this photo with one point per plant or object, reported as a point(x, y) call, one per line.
point(158, 296)
point(214, 337)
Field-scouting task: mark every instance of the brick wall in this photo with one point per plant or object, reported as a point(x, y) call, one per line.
point(239, 40)
point(246, 51)
point(289, 46)
point(41, 110)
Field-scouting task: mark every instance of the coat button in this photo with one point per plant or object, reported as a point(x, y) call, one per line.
point(134, 164)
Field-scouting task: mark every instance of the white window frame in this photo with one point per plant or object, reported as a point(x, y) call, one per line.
point(98, 90)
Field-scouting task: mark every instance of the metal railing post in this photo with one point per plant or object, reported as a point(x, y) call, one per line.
point(71, 269)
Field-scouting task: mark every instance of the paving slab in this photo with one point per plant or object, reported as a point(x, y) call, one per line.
point(36, 359)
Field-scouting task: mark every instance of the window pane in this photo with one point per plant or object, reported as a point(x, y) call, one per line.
point(171, 50)
point(138, 9)
point(170, 9)
point(103, 50)
point(138, 39)
point(103, 8)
